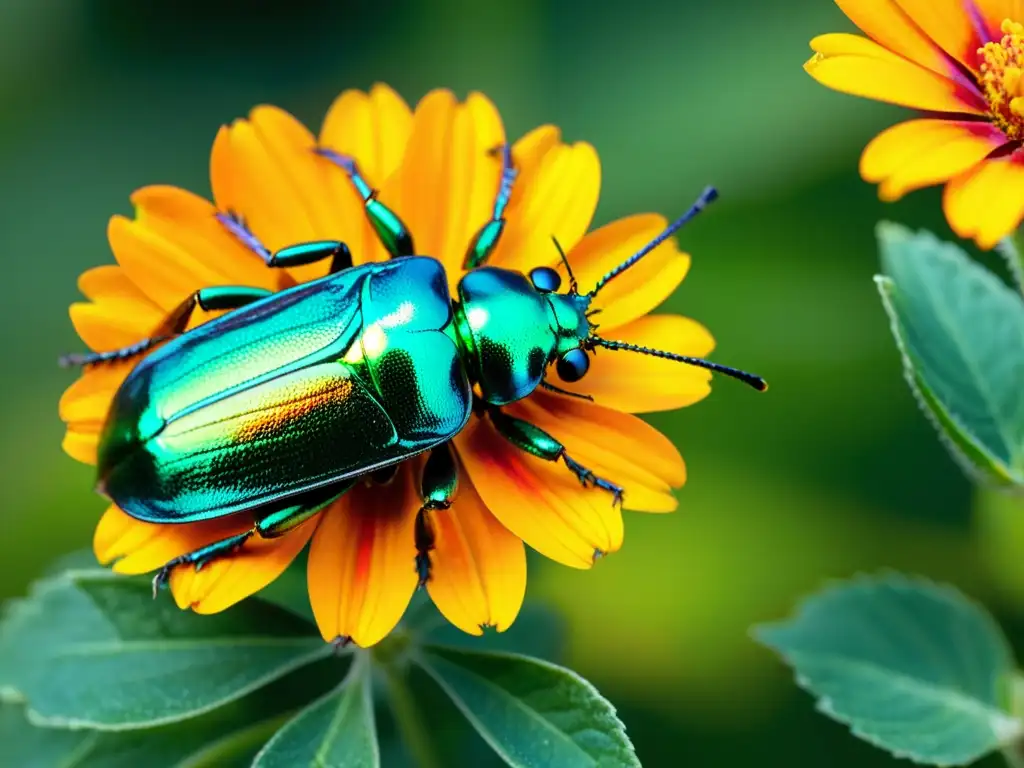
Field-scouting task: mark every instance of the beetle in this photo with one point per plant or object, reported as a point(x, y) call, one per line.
point(279, 406)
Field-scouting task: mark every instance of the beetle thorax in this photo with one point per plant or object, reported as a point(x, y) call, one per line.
point(510, 332)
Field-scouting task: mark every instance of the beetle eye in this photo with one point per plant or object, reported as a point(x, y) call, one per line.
point(573, 365)
point(545, 279)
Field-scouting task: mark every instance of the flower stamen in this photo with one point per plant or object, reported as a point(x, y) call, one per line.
point(1001, 79)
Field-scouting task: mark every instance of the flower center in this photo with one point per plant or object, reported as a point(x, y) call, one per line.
point(1001, 79)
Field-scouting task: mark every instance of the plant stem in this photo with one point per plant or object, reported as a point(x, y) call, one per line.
point(1012, 249)
point(408, 717)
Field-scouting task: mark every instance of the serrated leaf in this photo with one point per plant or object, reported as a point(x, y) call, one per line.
point(961, 333)
point(531, 712)
point(336, 732)
point(910, 666)
point(94, 649)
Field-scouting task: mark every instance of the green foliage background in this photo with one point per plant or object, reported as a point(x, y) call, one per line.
point(834, 471)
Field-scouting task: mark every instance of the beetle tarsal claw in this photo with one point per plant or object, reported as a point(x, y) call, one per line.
point(160, 579)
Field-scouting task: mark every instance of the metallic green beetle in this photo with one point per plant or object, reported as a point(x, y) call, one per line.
point(278, 407)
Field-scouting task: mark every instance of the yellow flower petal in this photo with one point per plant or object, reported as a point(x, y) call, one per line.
point(860, 67)
point(80, 444)
point(643, 286)
point(228, 580)
point(136, 547)
point(161, 252)
point(189, 223)
point(478, 573)
point(448, 181)
point(993, 12)
point(949, 24)
point(362, 562)
point(987, 203)
point(110, 282)
point(919, 153)
point(887, 23)
point(555, 195)
point(541, 502)
point(114, 323)
point(373, 128)
point(84, 405)
point(264, 169)
point(637, 383)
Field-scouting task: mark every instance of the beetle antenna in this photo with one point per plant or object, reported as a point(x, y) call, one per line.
point(573, 286)
point(747, 378)
point(709, 195)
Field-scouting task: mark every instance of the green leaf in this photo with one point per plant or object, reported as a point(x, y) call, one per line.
point(537, 631)
point(94, 649)
point(290, 590)
point(336, 732)
point(910, 666)
point(961, 333)
point(27, 746)
point(531, 712)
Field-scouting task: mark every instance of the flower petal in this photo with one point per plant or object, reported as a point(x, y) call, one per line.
point(81, 444)
point(111, 283)
point(919, 153)
point(84, 405)
point(638, 383)
point(626, 443)
point(643, 286)
point(373, 128)
point(478, 567)
point(541, 502)
point(362, 561)
point(555, 195)
point(228, 580)
point(987, 203)
point(175, 246)
point(860, 67)
point(114, 323)
point(643, 491)
point(949, 24)
point(994, 12)
point(265, 169)
point(886, 23)
point(137, 547)
point(448, 181)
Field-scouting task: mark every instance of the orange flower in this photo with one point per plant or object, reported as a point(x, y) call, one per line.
point(960, 63)
point(433, 168)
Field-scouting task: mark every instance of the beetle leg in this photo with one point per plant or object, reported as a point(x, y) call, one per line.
point(393, 234)
point(539, 443)
point(439, 482)
point(271, 525)
point(208, 299)
point(486, 239)
point(200, 557)
point(292, 256)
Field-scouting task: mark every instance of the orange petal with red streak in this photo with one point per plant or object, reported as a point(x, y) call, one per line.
point(362, 562)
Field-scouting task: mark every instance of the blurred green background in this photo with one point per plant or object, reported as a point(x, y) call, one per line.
point(834, 471)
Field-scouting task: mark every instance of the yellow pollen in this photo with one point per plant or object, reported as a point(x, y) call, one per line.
point(1002, 68)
